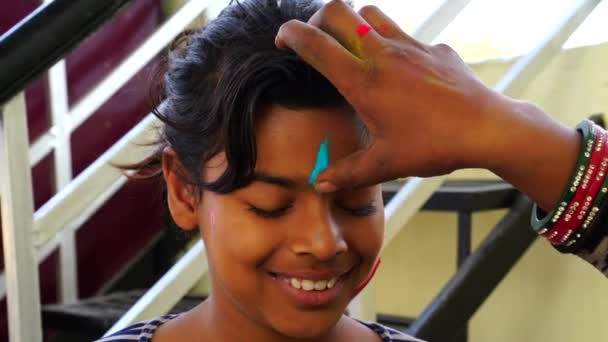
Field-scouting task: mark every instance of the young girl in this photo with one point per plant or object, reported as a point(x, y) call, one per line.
point(247, 128)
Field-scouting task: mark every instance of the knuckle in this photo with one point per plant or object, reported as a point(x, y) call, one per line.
point(289, 25)
point(288, 28)
point(304, 38)
point(445, 48)
point(345, 178)
point(307, 34)
point(378, 172)
point(397, 52)
point(348, 88)
point(334, 7)
point(370, 72)
point(329, 13)
point(369, 10)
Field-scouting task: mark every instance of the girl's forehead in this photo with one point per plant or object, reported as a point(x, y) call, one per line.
point(291, 141)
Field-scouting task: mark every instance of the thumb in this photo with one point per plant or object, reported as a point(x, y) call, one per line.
point(362, 168)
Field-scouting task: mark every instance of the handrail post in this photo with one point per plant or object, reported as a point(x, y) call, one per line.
point(17, 208)
point(67, 271)
point(478, 276)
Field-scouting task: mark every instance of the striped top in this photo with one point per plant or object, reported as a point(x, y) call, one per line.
point(142, 332)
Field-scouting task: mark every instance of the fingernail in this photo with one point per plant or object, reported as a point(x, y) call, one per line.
point(278, 41)
point(325, 186)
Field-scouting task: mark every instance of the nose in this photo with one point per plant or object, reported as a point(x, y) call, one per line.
point(322, 238)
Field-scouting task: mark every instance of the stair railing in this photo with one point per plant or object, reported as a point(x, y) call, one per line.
point(30, 237)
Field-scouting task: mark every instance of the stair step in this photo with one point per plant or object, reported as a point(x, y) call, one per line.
point(94, 316)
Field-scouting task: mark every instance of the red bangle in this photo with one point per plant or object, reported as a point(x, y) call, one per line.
point(564, 224)
point(578, 209)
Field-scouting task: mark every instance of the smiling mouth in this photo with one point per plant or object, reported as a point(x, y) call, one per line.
point(303, 283)
point(316, 293)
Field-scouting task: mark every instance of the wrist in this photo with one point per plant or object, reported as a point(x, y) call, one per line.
point(497, 121)
point(531, 150)
point(511, 129)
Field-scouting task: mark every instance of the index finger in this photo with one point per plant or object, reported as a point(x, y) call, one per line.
point(340, 20)
point(324, 53)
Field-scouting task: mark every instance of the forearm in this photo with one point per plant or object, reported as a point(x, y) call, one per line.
point(532, 151)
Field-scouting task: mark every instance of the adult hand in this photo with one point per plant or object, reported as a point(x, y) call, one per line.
point(414, 98)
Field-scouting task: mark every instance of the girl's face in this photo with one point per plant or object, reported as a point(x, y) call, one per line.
point(269, 243)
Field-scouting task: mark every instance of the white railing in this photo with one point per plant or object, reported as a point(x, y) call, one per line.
point(49, 218)
point(16, 203)
point(54, 224)
point(169, 289)
point(119, 76)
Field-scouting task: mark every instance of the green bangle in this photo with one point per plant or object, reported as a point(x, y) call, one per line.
point(541, 225)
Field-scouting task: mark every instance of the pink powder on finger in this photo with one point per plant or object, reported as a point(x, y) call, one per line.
point(362, 30)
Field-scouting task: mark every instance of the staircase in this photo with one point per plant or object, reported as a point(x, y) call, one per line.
point(31, 234)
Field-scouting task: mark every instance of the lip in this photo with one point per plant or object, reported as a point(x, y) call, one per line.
point(310, 299)
point(312, 274)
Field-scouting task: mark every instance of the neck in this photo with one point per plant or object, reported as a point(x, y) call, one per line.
point(222, 320)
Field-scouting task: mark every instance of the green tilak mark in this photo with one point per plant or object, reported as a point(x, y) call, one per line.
point(322, 161)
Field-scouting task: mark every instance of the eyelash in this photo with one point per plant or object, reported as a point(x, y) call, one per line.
point(274, 213)
point(367, 210)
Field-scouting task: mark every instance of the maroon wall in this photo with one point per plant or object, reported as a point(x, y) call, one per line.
point(124, 224)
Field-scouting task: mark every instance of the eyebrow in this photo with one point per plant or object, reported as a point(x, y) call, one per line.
point(274, 180)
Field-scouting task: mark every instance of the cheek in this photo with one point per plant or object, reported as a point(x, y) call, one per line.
point(236, 248)
point(236, 241)
point(366, 236)
point(247, 240)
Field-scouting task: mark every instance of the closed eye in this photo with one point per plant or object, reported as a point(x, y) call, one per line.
point(270, 213)
point(367, 210)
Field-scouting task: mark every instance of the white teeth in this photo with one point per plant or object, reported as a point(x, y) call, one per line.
point(320, 285)
point(295, 283)
point(309, 285)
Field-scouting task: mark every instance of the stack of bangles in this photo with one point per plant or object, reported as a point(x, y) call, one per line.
point(571, 224)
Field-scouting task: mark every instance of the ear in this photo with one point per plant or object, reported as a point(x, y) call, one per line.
point(180, 197)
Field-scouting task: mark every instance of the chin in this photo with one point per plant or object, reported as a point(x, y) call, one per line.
point(314, 326)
